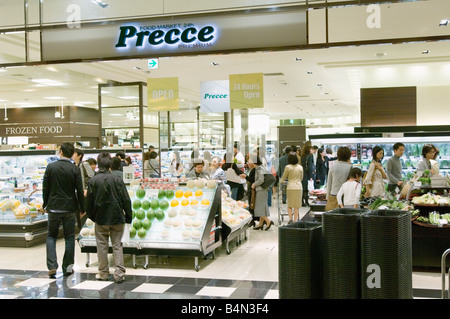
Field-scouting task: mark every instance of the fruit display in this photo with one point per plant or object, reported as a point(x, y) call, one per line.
point(14, 208)
point(234, 213)
point(170, 213)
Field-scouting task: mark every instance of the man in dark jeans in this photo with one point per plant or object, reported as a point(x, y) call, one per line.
point(63, 198)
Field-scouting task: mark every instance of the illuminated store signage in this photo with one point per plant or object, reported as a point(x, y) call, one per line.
point(151, 38)
point(182, 35)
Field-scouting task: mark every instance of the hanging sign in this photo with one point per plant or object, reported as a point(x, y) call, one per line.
point(214, 97)
point(162, 94)
point(246, 91)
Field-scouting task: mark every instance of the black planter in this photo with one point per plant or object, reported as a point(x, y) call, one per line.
point(342, 253)
point(299, 260)
point(386, 255)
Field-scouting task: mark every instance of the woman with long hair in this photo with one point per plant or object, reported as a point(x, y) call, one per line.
point(374, 181)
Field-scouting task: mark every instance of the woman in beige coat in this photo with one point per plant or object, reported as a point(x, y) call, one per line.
point(293, 173)
point(374, 181)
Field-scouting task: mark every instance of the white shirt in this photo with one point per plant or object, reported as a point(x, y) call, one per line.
point(351, 191)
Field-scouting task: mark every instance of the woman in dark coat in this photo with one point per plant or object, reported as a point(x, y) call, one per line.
point(307, 162)
point(322, 166)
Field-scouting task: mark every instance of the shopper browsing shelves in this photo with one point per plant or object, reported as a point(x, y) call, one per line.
point(394, 169)
point(376, 175)
point(337, 176)
point(428, 154)
point(197, 171)
point(293, 173)
point(63, 198)
point(350, 192)
point(109, 206)
point(261, 206)
point(307, 162)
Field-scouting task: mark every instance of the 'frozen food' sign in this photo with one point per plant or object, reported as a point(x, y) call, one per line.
point(181, 35)
point(33, 130)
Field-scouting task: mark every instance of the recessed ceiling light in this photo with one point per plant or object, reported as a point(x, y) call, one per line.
point(214, 63)
point(443, 23)
point(309, 72)
point(298, 59)
point(425, 51)
point(380, 55)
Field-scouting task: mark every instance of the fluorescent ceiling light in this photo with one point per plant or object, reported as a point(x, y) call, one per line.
point(47, 82)
point(55, 98)
point(115, 114)
point(128, 97)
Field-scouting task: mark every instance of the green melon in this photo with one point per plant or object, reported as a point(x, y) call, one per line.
point(154, 204)
point(146, 224)
point(142, 232)
point(133, 232)
point(145, 205)
point(140, 193)
point(151, 214)
point(137, 204)
point(160, 215)
point(140, 214)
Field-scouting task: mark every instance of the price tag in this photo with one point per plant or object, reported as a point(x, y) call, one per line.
point(153, 192)
point(417, 184)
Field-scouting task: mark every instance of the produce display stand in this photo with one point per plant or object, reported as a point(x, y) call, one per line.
point(175, 233)
point(429, 241)
point(231, 232)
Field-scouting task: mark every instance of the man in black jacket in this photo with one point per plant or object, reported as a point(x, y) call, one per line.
point(109, 206)
point(63, 198)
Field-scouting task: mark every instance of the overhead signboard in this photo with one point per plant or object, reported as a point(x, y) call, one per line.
point(177, 35)
point(162, 94)
point(246, 91)
point(214, 96)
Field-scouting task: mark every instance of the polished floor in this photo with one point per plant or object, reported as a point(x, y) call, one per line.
point(247, 271)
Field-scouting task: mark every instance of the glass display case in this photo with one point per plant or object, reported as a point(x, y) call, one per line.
point(175, 220)
point(21, 175)
point(361, 147)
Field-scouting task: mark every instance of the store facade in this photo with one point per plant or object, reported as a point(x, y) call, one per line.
point(150, 112)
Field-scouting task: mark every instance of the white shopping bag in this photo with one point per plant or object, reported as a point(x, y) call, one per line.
point(126, 234)
point(310, 185)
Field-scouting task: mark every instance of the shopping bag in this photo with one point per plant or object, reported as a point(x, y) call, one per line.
point(310, 185)
point(126, 234)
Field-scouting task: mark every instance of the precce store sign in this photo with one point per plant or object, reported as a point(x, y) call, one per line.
point(185, 35)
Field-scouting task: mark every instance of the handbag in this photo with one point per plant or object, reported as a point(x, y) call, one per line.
point(252, 201)
point(269, 180)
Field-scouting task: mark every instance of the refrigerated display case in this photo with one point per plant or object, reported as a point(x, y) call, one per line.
point(178, 219)
point(361, 145)
point(21, 175)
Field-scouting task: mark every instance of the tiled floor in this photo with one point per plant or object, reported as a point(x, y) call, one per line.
point(250, 271)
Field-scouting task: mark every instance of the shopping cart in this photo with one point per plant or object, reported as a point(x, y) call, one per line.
point(445, 293)
point(282, 207)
